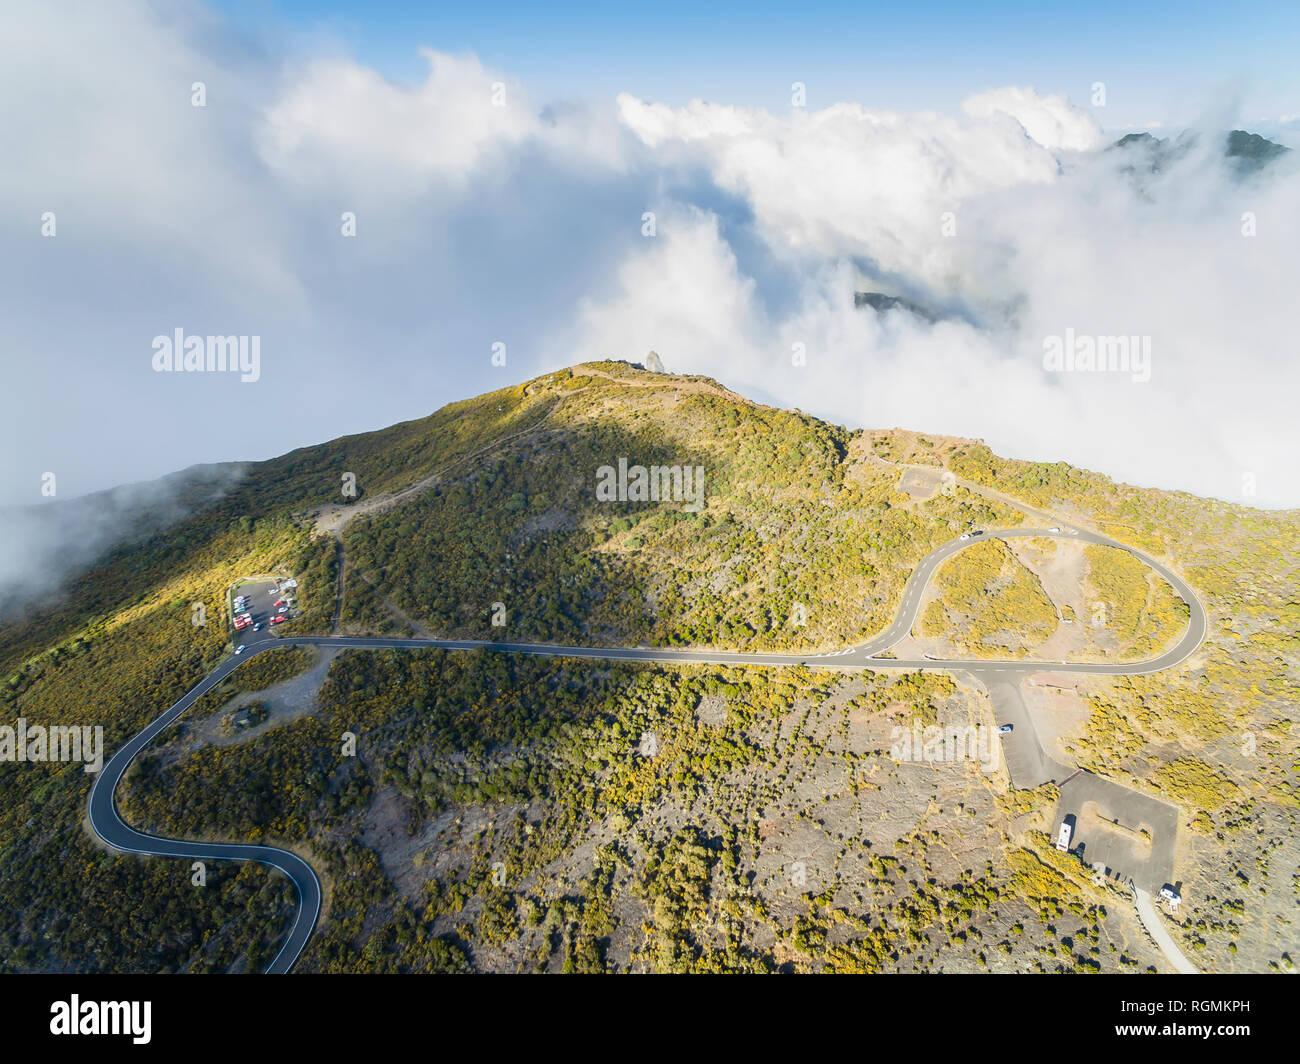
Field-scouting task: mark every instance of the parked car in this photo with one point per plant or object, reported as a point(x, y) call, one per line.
point(1006, 728)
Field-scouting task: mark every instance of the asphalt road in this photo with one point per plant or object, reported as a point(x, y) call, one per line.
point(998, 676)
point(1156, 929)
point(109, 826)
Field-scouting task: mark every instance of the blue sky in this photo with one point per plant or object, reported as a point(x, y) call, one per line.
point(1161, 61)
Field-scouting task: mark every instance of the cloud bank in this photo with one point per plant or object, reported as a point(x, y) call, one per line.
point(482, 215)
point(46, 545)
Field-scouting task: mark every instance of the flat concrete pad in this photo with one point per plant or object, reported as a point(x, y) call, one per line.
point(920, 484)
point(1093, 801)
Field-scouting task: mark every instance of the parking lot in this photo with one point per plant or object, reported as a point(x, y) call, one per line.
point(1027, 762)
point(1132, 834)
point(266, 600)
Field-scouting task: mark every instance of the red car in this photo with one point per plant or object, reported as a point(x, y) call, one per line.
point(278, 620)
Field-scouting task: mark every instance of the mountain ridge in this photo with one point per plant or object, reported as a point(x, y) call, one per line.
point(805, 541)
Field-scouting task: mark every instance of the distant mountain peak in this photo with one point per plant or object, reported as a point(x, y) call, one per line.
point(1243, 145)
point(1250, 151)
point(881, 303)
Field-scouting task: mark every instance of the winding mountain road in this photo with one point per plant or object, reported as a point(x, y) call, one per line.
point(110, 827)
point(1000, 677)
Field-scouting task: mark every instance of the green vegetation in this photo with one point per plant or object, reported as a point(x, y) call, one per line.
point(1120, 581)
point(520, 814)
point(270, 668)
point(364, 610)
point(1140, 610)
point(989, 604)
point(546, 827)
point(799, 543)
point(1194, 784)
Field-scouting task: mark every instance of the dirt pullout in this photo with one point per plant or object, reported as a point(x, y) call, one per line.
point(1059, 713)
point(289, 700)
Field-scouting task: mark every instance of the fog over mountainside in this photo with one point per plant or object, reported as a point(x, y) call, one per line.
point(46, 544)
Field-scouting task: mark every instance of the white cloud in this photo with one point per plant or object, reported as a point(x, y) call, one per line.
point(1092, 251)
point(338, 114)
point(341, 122)
point(847, 180)
point(522, 224)
point(1052, 121)
point(105, 137)
point(685, 294)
